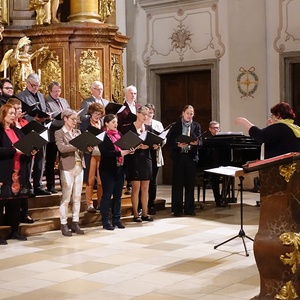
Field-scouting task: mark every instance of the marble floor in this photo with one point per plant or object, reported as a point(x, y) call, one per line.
point(170, 258)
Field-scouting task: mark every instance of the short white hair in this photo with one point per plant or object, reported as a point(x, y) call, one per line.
point(96, 83)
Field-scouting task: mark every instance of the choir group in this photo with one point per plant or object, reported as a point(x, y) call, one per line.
point(103, 144)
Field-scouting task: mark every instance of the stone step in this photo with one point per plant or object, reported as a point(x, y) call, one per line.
point(45, 211)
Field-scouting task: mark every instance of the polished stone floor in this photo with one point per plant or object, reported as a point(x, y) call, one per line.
point(170, 258)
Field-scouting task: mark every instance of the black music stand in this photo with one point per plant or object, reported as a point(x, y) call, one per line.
point(234, 172)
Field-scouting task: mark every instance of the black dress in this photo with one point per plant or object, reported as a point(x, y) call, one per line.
point(139, 164)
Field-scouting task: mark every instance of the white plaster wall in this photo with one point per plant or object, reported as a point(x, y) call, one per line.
point(246, 48)
point(247, 34)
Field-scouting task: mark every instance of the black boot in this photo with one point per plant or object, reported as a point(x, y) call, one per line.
point(65, 230)
point(75, 228)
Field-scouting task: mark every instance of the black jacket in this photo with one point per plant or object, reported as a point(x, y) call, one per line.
point(7, 153)
point(175, 132)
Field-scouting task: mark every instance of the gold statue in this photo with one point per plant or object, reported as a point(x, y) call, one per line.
point(20, 62)
point(106, 8)
point(51, 8)
point(46, 10)
point(39, 7)
point(1, 30)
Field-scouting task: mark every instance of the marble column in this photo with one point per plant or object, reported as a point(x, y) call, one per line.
point(84, 11)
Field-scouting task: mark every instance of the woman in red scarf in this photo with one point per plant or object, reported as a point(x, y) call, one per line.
point(21, 122)
point(13, 164)
point(111, 174)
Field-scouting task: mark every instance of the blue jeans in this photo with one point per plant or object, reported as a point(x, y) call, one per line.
point(112, 185)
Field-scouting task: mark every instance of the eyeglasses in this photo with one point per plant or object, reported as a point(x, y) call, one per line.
point(99, 90)
point(143, 113)
point(73, 119)
point(97, 113)
point(34, 85)
point(8, 88)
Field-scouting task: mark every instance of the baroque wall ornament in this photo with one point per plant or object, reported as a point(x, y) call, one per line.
point(193, 32)
point(247, 82)
point(288, 35)
point(89, 71)
point(181, 40)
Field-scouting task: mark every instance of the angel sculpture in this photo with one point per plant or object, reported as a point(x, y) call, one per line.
point(20, 61)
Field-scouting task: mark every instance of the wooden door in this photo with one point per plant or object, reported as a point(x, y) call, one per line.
point(295, 91)
point(178, 90)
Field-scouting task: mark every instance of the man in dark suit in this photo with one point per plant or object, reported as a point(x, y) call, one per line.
point(56, 105)
point(126, 117)
point(97, 91)
point(6, 90)
point(32, 96)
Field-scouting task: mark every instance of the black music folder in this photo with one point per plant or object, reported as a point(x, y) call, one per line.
point(28, 108)
point(85, 140)
point(150, 139)
point(128, 140)
point(185, 139)
point(33, 126)
point(31, 141)
point(113, 108)
point(57, 116)
point(94, 130)
point(39, 113)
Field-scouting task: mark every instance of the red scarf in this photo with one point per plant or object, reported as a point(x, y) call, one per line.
point(114, 136)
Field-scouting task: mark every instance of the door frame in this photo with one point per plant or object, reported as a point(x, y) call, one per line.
point(154, 85)
point(153, 81)
point(285, 73)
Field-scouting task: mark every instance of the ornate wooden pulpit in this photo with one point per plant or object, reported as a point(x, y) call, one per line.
point(277, 242)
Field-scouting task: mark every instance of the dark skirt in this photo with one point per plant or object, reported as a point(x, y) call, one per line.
point(139, 165)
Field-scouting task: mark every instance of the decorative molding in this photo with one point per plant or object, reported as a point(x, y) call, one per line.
point(183, 34)
point(146, 4)
point(288, 35)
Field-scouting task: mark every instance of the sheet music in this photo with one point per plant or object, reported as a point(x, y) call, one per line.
point(45, 135)
point(164, 133)
point(228, 171)
point(101, 136)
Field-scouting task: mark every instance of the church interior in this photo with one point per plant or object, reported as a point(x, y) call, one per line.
point(226, 58)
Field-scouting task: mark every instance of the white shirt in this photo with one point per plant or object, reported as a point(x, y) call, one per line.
point(132, 107)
